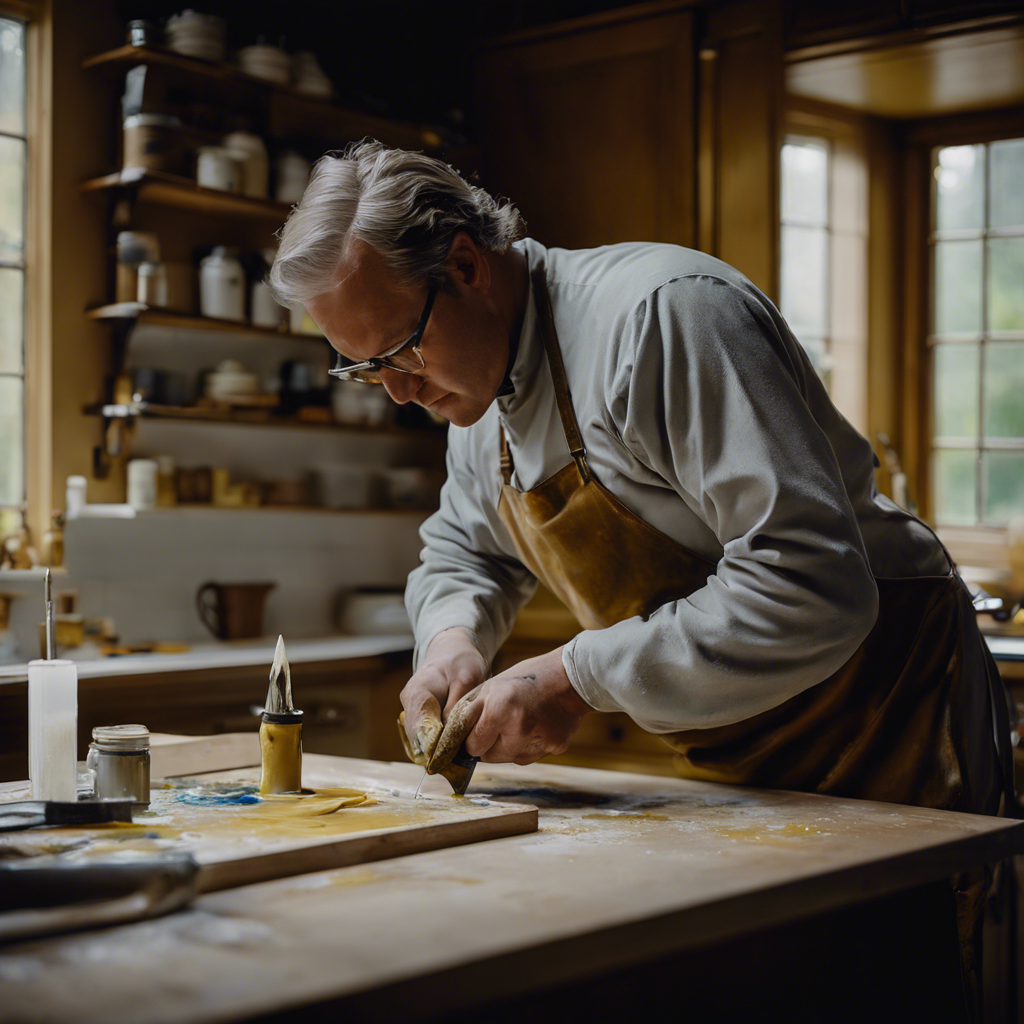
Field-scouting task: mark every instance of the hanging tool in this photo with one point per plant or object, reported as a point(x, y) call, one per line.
point(281, 731)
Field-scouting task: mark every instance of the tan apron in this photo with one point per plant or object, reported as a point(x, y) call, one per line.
point(918, 715)
point(913, 715)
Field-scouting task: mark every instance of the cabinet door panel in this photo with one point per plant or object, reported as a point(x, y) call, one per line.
point(741, 114)
point(591, 132)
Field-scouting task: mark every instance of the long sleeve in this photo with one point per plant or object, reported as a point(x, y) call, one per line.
point(469, 575)
point(712, 399)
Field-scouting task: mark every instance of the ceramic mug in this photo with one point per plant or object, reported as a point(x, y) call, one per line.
point(233, 611)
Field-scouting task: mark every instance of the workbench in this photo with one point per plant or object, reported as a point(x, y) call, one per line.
point(634, 888)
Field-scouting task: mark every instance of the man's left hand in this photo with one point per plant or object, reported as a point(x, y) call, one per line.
point(524, 713)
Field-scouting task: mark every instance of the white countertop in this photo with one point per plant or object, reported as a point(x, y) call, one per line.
point(229, 655)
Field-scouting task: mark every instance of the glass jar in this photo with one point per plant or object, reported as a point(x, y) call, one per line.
point(119, 755)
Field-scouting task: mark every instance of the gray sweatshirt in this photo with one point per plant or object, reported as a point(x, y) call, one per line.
point(701, 414)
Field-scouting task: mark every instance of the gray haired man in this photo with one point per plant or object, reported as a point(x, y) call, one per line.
point(637, 427)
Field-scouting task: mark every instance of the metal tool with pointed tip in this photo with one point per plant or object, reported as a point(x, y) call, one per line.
point(280, 731)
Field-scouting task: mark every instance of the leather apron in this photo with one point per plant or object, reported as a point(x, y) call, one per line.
point(913, 716)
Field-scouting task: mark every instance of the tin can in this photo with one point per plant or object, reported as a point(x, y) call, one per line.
point(119, 755)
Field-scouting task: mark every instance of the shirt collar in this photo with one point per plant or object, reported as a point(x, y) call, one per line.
point(525, 359)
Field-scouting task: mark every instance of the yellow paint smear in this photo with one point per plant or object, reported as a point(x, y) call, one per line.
point(774, 834)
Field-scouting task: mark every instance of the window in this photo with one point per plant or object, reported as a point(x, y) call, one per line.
point(823, 252)
point(13, 161)
point(976, 333)
point(804, 262)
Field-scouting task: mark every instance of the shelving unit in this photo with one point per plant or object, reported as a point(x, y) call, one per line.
point(175, 192)
point(320, 116)
point(250, 418)
point(203, 94)
point(139, 313)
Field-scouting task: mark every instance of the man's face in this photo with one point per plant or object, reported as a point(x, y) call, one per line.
point(464, 345)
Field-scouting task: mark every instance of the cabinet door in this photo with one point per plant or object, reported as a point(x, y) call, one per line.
point(590, 130)
point(741, 78)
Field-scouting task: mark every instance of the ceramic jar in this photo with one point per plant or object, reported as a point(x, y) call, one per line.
point(222, 285)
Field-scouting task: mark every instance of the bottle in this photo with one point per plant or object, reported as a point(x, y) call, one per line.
point(252, 155)
point(74, 497)
point(51, 549)
point(166, 486)
point(52, 720)
point(142, 474)
point(222, 285)
point(152, 281)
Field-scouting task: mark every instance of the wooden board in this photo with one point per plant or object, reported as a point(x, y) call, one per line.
point(238, 839)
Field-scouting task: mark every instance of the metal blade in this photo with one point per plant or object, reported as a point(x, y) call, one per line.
point(279, 697)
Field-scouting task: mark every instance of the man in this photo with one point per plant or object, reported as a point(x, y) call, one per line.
point(637, 426)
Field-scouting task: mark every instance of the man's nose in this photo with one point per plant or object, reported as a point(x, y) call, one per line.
point(402, 387)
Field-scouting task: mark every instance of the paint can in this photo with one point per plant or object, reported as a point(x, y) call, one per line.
point(119, 755)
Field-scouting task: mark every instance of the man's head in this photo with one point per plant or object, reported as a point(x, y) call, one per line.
point(376, 231)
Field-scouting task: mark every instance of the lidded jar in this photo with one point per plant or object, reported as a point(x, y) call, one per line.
point(222, 285)
point(119, 755)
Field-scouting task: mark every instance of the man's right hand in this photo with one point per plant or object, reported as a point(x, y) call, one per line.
point(451, 667)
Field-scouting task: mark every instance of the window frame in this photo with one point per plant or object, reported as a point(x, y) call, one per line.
point(978, 545)
point(847, 135)
point(38, 18)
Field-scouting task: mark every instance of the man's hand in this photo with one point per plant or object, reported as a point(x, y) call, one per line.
point(451, 668)
point(524, 713)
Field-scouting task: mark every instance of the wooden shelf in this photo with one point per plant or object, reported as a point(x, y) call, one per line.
point(196, 506)
point(144, 314)
point(250, 418)
point(320, 117)
point(179, 193)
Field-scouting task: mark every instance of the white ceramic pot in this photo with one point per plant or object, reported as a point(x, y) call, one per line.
point(222, 286)
point(370, 612)
point(219, 168)
point(251, 153)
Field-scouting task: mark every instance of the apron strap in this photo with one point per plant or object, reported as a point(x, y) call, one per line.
point(570, 427)
point(505, 459)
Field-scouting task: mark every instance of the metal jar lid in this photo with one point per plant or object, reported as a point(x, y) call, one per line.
point(121, 737)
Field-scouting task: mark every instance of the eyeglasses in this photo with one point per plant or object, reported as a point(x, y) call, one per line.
point(405, 357)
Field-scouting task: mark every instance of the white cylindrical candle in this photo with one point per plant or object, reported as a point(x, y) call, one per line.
point(53, 729)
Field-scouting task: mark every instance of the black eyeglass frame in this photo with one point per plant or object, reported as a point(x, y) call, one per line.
point(352, 371)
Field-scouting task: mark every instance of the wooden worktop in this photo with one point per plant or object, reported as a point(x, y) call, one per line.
point(625, 868)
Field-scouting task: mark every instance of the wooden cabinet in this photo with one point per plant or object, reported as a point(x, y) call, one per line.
point(589, 128)
point(644, 125)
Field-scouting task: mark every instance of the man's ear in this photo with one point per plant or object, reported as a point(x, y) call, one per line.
point(467, 264)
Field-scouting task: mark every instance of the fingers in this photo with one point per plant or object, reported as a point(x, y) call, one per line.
point(461, 720)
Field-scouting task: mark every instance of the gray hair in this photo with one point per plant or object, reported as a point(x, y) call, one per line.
point(407, 206)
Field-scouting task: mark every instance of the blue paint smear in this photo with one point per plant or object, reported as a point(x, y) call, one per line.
point(212, 796)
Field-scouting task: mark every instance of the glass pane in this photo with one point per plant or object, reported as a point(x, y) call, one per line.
point(1006, 198)
point(1004, 389)
point(12, 76)
point(804, 266)
point(10, 521)
point(1006, 284)
point(958, 287)
point(12, 315)
point(960, 184)
point(12, 199)
point(954, 487)
point(805, 181)
point(12, 446)
point(1003, 473)
point(956, 390)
